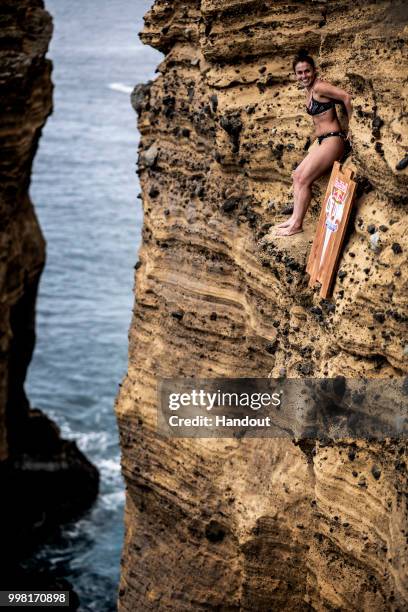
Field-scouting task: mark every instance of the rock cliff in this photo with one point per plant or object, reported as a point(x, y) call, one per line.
point(264, 524)
point(44, 479)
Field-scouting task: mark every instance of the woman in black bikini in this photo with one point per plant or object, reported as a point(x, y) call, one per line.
point(321, 100)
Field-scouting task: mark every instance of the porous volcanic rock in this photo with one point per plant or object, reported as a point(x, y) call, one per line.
point(264, 524)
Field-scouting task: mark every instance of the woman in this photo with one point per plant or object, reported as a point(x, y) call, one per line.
point(321, 99)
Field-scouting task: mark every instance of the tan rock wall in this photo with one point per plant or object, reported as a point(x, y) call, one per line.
point(244, 524)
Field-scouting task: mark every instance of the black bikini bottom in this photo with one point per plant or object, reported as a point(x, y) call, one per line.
point(323, 136)
point(347, 145)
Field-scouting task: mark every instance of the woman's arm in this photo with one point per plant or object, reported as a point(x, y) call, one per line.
point(330, 91)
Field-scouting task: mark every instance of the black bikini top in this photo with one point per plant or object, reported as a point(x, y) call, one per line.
point(317, 108)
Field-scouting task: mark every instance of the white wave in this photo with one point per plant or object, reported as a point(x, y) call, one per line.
point(120, 87)
point(110, 464)
point(91, 441)
point(110, 471)
point(113, 501)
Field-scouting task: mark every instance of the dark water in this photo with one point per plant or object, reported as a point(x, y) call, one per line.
point(84, 188)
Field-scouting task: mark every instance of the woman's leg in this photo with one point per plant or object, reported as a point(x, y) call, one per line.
point(315, 164)
point(296, 186)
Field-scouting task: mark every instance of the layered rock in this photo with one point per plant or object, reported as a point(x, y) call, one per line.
point(265, 524)
point(44, 479)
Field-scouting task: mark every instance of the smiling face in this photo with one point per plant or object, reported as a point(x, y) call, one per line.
point(305, 73)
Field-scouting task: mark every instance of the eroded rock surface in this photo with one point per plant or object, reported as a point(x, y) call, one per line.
point(264, 524)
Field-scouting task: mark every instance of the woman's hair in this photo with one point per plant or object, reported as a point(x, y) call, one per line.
point(303, 56)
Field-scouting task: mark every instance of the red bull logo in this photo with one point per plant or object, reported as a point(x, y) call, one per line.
point(335, 205)
point(334, 212)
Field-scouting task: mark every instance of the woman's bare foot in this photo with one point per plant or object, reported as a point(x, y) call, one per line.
point(285, 223)
point(289, 230)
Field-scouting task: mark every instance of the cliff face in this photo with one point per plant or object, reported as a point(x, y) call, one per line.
point(35, 463)
point(261, 524)
point(26, 100)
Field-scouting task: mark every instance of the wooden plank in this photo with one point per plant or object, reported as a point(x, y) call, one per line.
point(331, 228)
point(310, 267)
point(317, 243)
point(337, 244)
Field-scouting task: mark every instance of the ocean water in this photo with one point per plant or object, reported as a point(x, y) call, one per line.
point(84, 188)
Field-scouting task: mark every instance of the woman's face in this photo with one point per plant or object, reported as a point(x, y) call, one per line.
point(305, 73)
